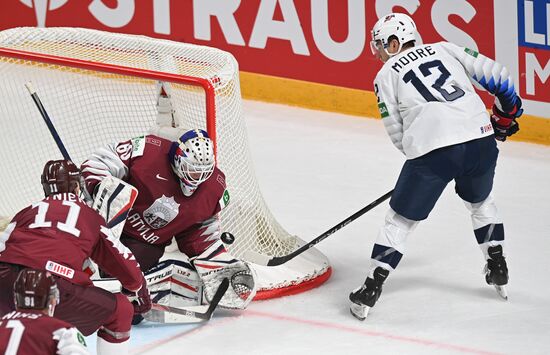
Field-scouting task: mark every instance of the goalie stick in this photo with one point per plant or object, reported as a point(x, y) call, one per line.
point(48, 121)
point(166, 314)
point(266, 260)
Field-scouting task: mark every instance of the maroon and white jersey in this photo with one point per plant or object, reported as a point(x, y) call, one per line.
point(161, 210)
point(32, 332)
point(59, 233)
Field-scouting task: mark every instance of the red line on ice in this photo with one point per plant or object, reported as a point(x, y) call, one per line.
point(371, 333)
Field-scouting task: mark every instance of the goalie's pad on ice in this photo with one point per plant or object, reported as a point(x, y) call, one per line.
point(174, 283)
point(113, 200)
point(215, 264)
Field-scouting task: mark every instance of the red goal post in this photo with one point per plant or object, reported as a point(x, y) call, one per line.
point(99, 88)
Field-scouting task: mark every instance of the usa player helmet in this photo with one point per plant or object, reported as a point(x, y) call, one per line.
point(399, 25)
point(192, 159)
point(60, 176)
point(35, 289)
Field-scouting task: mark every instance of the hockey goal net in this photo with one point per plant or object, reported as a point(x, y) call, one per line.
point(100, 88)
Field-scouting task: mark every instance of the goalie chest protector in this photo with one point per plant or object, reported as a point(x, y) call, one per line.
point(161, 210)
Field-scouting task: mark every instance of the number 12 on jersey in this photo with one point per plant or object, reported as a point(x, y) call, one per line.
point(426, 70)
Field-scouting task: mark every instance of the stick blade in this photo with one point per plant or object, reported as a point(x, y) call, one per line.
point(194, 314)
point(162, 315)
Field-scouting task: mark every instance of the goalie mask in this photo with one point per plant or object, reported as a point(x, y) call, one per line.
point(396, 25)
point(192, 159)
point(60, 176)
point(35, 289)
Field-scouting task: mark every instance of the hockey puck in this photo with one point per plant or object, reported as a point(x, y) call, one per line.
point(227, 238)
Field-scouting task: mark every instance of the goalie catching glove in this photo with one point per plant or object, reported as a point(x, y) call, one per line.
point(215, 264)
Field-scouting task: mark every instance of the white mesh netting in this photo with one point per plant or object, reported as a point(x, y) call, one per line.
point(99, 88)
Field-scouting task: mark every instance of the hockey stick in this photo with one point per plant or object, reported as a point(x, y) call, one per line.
point(166, 314)
point(122, 188)
point(265, 260)
point(48, 121)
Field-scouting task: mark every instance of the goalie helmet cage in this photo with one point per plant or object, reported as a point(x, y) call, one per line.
point(99, 88)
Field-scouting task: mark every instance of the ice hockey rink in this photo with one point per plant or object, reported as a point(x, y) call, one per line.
point(317, 168)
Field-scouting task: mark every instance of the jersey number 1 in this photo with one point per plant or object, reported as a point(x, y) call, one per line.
point(425, 69)
point(15, 338)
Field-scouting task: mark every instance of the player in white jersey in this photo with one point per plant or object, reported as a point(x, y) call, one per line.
point(434, 116)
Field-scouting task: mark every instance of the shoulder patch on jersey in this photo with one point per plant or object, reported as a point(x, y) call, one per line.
point(80, 338)
point(153, 141)
point(383, 109)
point(138, 145)
point(221, 180)
point(224, 201)
point(471, 52)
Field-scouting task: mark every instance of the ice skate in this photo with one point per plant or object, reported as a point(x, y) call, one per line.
point(496, 271)
point(364, 297)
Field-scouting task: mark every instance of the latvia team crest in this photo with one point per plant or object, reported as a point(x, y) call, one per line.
point(161, 212)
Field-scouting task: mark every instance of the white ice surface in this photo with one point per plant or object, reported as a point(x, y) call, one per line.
point(317, 168)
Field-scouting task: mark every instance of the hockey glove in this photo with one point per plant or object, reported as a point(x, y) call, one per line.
point(215, 264)
point(504, 123)
point(140, 299)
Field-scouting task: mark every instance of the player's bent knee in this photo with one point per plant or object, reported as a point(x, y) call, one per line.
point(396, 229)
point(484, 212)
point(117, 327)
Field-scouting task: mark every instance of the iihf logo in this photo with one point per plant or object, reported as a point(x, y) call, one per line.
point(41, 8)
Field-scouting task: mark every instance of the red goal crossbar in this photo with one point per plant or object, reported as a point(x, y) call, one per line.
point(207, 86)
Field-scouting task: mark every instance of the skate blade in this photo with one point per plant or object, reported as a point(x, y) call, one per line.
point(501, 290)
point(359, 311)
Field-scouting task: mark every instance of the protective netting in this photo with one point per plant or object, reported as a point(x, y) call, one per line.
point(99, 88)
point(90, 108)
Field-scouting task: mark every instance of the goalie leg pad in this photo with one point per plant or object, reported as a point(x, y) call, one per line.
point(174, 283)
point(215, 264)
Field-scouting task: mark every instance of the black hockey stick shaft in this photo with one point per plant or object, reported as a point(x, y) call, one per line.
point(48, 121)
point(278, 260)
point(224, 285)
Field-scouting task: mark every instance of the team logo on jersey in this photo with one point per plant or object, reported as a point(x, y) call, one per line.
point(161, 212)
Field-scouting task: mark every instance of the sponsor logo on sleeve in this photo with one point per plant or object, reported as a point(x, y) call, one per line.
point(224, 201)
point(138, 146)
point(383, 110)
point(80, 338)
point(59, 269)
point(471, 52)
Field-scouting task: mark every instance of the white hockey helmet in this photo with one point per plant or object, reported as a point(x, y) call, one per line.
point(399, 25)
point(192, 159)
